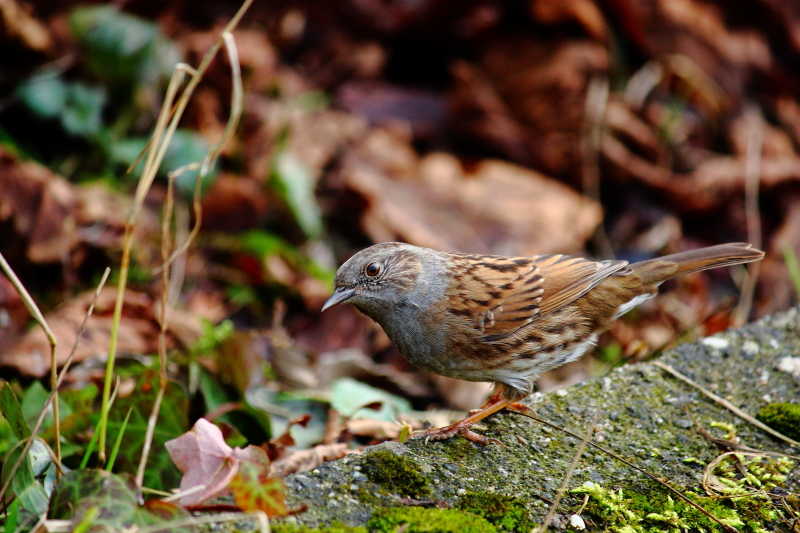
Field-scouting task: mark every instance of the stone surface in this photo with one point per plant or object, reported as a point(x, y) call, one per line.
point(645, 415)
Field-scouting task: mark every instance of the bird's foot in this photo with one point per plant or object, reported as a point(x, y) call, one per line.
point(458, 428)
point(522, 409)
point(492, 405)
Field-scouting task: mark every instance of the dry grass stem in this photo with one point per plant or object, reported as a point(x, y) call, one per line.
point(166, 125)
point(725, 403)
point(591, 137)
point(565, 483)
point(37, 315)
point(53, 393)
point(752, 179)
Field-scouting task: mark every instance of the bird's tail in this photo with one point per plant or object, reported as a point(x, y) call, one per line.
point(670, 266)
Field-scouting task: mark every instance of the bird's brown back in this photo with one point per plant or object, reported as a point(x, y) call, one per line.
point(527, 315)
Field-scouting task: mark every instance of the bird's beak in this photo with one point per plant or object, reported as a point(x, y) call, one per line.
point(339, 295)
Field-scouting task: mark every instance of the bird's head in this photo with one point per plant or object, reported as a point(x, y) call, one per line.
point(376, 278)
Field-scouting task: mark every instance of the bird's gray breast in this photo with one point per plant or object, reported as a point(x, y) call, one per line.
point(411, 324)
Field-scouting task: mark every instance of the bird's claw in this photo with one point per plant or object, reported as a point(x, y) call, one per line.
point(456, 429)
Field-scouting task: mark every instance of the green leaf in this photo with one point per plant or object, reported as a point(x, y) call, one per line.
point(296, 184)
point(262, 243)
point(212, 336)
point(30, 492)
point(13, 517)
point(121, 47)
point(126, 151)
point(45, 94)
point(33, 400)
point(76, 408)
point(76, 105)
point(349, 396)
point(13, 413)
point(108, 501)
point(284, 407)
point(7, 437)
point(82, 115)
point(185, 147)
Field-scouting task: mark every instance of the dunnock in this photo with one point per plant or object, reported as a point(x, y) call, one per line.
point(503, 319)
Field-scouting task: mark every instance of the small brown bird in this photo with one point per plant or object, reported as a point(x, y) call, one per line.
point(503, 319)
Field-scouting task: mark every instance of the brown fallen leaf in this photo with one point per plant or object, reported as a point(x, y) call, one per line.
point(502, 208)
point(138, 331)
point(305, 460)
point(526, 97)
point(379, 430)
point(234, 204)
point(40, 206)
point(585, 13)
point(707, 187)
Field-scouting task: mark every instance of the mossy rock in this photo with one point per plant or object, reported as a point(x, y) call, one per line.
point(396, 473)
point(503, 512)
point(420, 520)
point(335, 527)
point(782, 417)
point(646, 415)
point(653, 510)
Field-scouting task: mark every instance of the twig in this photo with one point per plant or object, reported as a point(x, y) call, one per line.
point(563, 488)
point(725, 403)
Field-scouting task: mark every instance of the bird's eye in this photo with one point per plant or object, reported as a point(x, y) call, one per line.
point(373, 269)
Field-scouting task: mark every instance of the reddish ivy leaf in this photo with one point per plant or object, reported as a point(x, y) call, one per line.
point(205, 459)
point(254, 490)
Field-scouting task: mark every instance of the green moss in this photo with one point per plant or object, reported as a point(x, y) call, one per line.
point(419, 520)
point(655, 511)
point(742, 475)
point(395, 473)
point(335, 527)
point(459, 450)
point(782, 417)
point(504, 512)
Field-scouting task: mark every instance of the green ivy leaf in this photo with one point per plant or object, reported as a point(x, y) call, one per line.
point(121, 47)
point(349, 396)
point(296, 184)
point(45, 94)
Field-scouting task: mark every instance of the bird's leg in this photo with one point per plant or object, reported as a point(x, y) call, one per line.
point(490, 400)
point(495, 403)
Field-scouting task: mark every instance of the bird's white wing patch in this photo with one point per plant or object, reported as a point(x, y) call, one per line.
point(637, 300)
